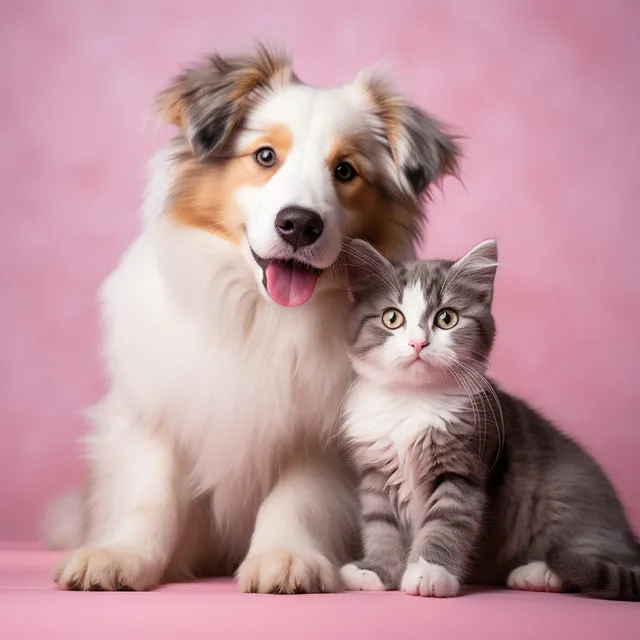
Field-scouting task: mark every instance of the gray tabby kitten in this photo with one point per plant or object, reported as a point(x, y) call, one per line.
point(461, 482)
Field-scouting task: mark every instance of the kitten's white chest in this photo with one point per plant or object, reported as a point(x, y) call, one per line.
point(381, 416)
point(388, 427)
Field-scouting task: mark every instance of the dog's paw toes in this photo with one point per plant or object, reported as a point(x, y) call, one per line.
point(103, 569)
point(287, 571)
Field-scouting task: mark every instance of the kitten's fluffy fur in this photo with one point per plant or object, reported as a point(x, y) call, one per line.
point(460, 482)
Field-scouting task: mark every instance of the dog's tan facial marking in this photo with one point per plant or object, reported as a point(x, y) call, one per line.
point(347, 149)
point(357, 195)
point(380, 220)
point(202, 197)
point(374, 214)
point(203, 193)
point(277, 137)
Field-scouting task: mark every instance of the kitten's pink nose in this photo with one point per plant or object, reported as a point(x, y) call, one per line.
point(418, 344)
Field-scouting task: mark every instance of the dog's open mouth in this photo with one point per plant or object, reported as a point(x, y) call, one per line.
point(288, 282)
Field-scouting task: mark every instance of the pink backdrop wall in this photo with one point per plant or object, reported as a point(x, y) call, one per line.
point(547, 93)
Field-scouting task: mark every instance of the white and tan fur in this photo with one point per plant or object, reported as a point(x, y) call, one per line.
point(213, 451)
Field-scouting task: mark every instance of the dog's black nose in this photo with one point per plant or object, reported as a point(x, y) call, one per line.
point(298, 226)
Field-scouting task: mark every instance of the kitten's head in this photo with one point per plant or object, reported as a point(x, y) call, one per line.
point(421, 323)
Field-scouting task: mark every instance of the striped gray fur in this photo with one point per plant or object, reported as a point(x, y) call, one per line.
point(382, 536)
point(500, 486)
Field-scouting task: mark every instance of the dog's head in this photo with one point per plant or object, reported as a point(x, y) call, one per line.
point(287, 171)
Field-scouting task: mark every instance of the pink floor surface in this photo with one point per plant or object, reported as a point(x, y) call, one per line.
point(30, 607)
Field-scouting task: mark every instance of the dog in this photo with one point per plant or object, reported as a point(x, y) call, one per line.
point(214, 450)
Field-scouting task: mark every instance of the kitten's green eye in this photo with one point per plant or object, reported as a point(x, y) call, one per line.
point(446, 319)
point(392, 319)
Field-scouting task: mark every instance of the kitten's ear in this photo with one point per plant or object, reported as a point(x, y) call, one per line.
point(366, 268)
point(478, 267)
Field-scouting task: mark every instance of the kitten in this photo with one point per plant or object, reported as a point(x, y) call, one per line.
point(461, 482)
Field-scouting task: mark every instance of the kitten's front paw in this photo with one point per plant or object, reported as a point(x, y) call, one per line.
point(535, 576)
point(103, 569)
point(424, 578)
point(356, 579)
point(286, 571)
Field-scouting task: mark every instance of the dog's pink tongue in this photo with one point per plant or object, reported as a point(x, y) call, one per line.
point(288, 285)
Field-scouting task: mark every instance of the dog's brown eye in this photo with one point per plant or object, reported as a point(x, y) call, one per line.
point(446, 319)
point(392, 319)
point(344, 172)
point(265, 156)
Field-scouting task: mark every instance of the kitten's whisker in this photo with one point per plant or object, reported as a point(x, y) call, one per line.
point(383, 277)
point(350, 250)
point(477, 353)
point(377, 276)
point(340, 415)
point(474, 406)
point(348, 247)
point(492, 397)
point(481, 409)
point(491, 390)
point(346, 395)
point(476, 389)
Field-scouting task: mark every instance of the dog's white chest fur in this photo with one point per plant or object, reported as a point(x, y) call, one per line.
point(231, 377)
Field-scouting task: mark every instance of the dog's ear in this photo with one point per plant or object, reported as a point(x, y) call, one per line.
point(367, 269)
point(422, 148)
point(209, 101)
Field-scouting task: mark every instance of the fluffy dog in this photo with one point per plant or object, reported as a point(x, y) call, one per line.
point(213, 451)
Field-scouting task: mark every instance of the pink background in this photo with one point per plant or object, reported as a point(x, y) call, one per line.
point(547, 93)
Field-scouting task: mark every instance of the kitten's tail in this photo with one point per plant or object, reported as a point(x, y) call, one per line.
point(594, 577)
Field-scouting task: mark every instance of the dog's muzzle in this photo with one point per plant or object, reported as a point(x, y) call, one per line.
point(291, 282)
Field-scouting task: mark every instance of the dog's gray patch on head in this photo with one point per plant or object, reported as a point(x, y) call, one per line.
point(210, 101)
point(421, 146)
point(432, 152)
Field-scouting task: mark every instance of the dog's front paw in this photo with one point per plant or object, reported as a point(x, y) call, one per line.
point(424, 578)
point(356, 579)
point(287, 571)
point(103, 569)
